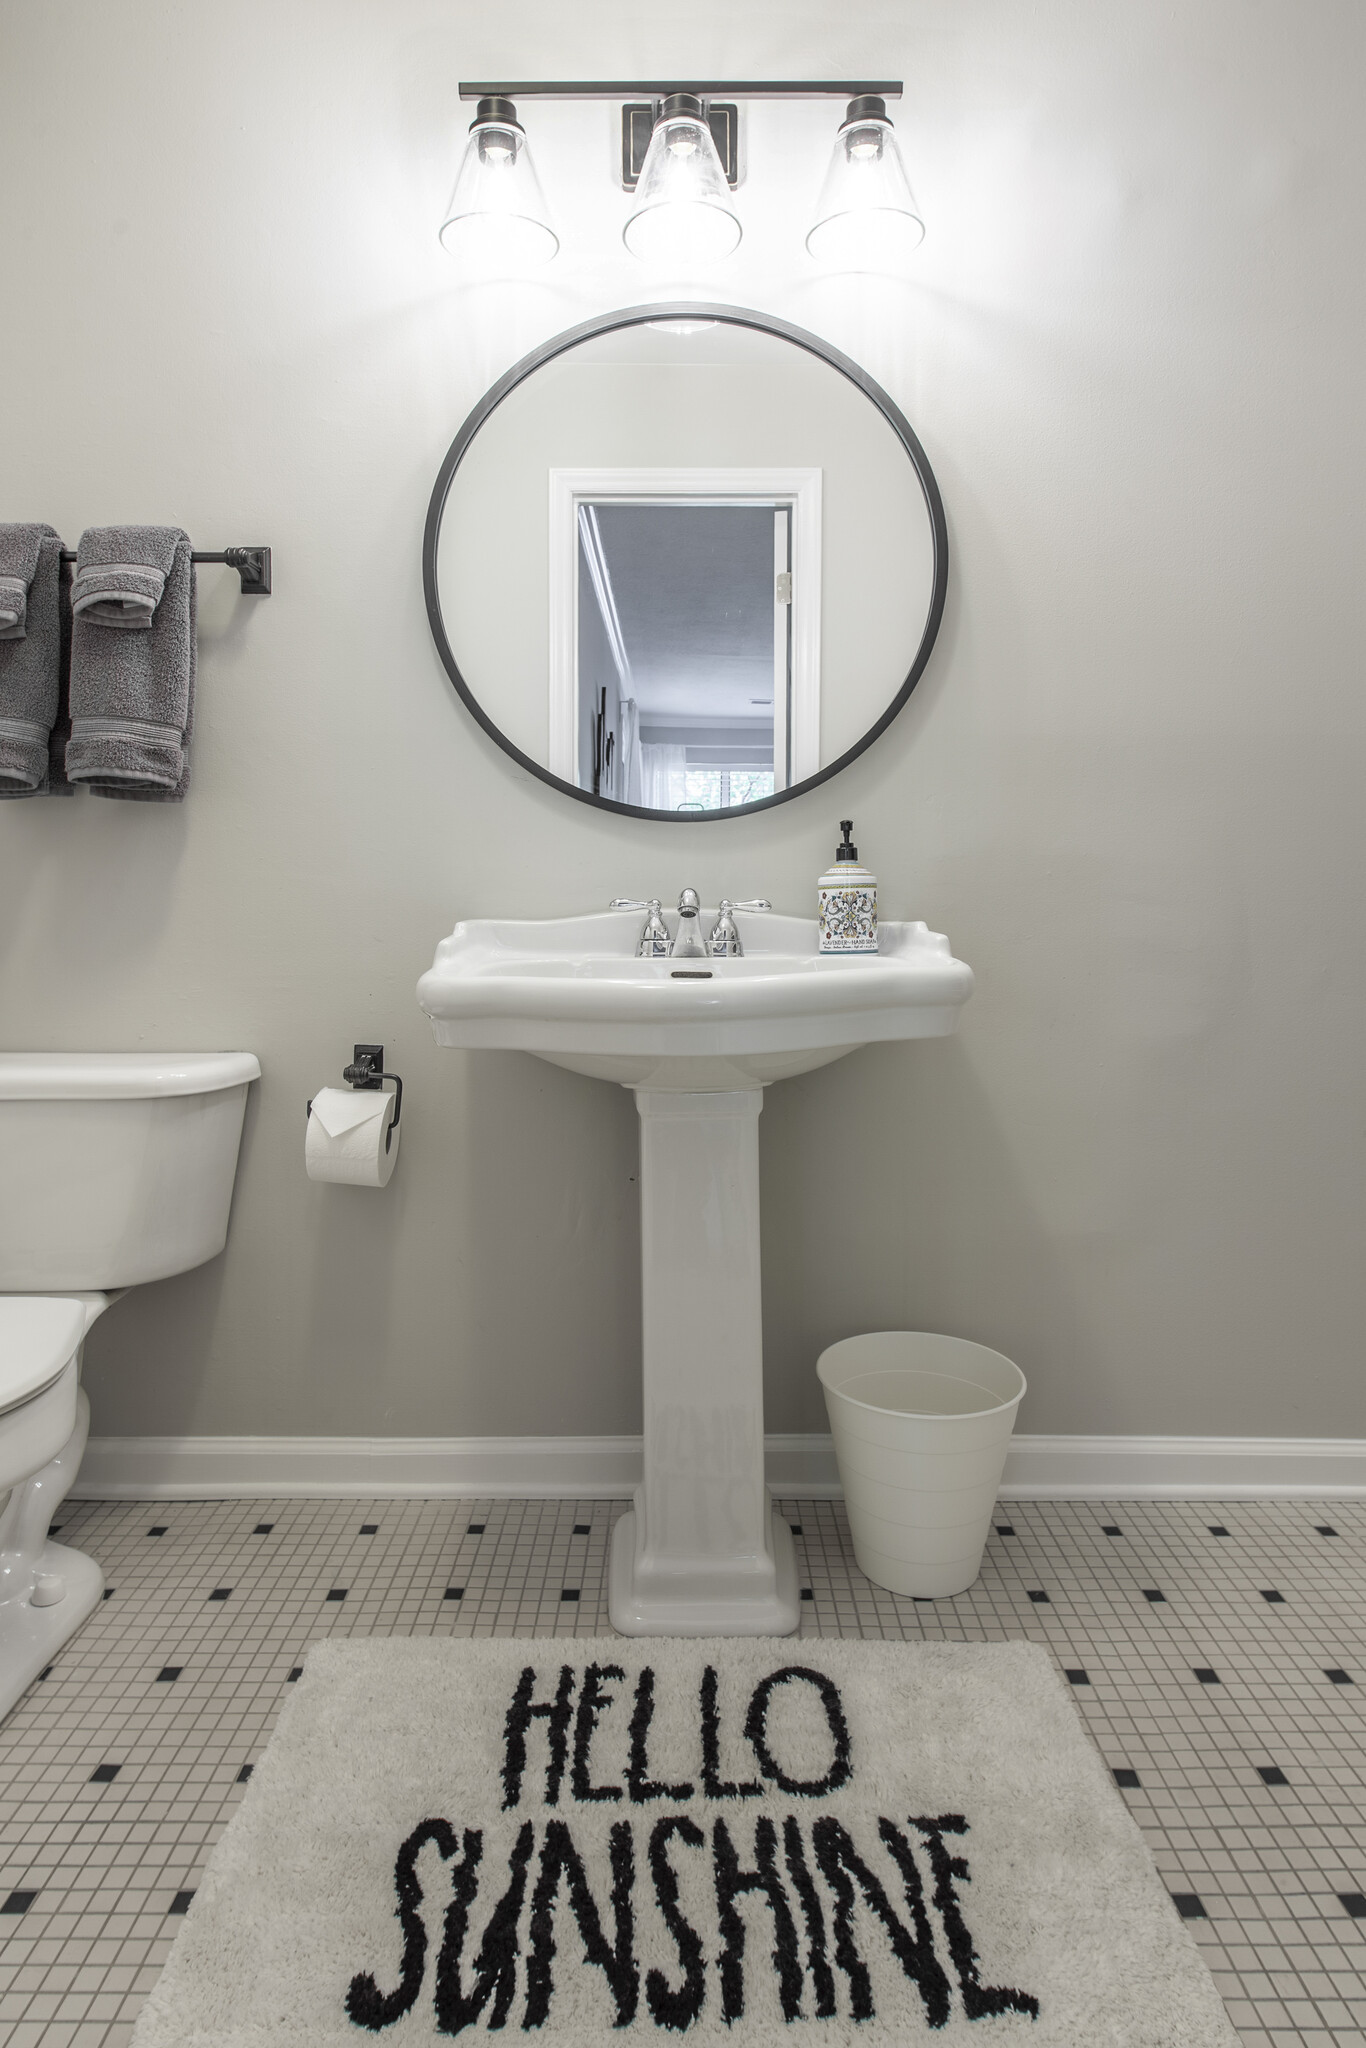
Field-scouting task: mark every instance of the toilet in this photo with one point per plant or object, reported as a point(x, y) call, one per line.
point(115, 1169)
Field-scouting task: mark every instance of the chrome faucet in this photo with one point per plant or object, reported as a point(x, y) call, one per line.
point(654, 942)
point(724, 943)
point(687, 943)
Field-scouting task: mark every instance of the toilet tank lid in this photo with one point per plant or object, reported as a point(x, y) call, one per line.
point(75, 1076)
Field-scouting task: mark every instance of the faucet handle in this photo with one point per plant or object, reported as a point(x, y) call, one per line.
point(654, 942)
point(724, 943)
point(755, 903)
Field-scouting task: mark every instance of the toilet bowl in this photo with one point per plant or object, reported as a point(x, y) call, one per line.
point(115, 1169)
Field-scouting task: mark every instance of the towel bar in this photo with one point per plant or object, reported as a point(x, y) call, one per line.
point(251, 564)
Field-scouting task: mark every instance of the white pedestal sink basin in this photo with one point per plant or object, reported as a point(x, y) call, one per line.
point(702, 1552)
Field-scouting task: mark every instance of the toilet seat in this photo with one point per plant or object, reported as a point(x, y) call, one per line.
point(39, 1336)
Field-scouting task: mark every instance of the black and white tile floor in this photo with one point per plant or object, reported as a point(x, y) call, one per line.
point(1218, 1655)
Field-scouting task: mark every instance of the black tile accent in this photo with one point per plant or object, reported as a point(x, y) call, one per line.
point(1077, 1677)
point(569, 1592)
point(796, 1528)
point(46, 1672)
point(159, 1530)
point(221, 1593)
point(339, 1592)
point(1354, 1903)
point(1276, 1599)
point(17, 1902)
point(109, 1592)
point(1337, 1676)
point(296, 1674)
point(1128, 1778)
point(476, 1529)
point(583, 1528)
point(1041, 1599)
point(1326, 1529)
point(180, 1903)
point(55, 1528)
point(1111, 1529)
point(369, 1528)
point(245, 1773)
point(454, 1593)
point(1189, 1905)
point(263, 1528)
point(169, 1673)
point(807, 1593)
point(1205, 1675)
point(1217, 1529)
point(1151, 1593)
point(105, 1774)
point(1004, 1529)
point(1272, 1774)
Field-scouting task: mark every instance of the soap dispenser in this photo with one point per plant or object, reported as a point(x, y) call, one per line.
point(847, 895)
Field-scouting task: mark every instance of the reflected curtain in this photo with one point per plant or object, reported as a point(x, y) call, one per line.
point(628, 775)
point(663, 777)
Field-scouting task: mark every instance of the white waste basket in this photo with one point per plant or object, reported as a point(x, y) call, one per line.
point(922, 1425)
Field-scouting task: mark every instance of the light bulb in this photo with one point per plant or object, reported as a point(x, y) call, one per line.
point(866, 216)
point(683, 216)
point(497, 222)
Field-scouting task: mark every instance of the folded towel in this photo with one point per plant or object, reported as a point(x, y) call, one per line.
point(132, 663)
point(31, 654)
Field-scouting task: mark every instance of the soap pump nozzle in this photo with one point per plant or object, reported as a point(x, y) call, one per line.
point(845, 850)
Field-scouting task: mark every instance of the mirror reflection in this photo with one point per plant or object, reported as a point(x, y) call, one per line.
point(684, 566)
point(682, 651)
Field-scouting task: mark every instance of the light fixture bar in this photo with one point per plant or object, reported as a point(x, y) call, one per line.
point(706, 89)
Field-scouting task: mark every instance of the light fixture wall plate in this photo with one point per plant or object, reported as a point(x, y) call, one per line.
point(637, 126)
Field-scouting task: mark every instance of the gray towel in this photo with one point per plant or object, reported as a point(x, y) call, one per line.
point(132, 663)
point(31, 654)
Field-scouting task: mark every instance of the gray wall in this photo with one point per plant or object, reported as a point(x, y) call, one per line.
point(1129, 787)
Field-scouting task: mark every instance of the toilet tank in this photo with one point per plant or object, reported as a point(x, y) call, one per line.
point(116, 1167)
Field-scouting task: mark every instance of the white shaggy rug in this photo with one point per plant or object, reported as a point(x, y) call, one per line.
point(805, 1841)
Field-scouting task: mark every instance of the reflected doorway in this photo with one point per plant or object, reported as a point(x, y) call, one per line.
point(688, 678)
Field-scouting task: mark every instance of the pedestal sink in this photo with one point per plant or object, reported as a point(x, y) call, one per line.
point(702, 1552)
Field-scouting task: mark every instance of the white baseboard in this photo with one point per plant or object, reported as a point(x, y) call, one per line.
point(607, 1467)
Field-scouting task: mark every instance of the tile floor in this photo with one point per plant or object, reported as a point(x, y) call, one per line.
point(1218, 1654)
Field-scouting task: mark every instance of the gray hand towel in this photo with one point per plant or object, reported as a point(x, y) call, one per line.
point(132, 663)
point(31, 654)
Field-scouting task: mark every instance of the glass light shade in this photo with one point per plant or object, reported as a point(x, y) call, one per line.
point(683, 216)
point(866, 216)
point(497, 220)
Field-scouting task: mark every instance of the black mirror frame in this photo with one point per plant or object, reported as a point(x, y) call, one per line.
point(639, 316)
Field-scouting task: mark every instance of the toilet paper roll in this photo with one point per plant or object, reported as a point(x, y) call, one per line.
point(346, 1133)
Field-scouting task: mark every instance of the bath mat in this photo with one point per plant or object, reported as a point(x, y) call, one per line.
point(577, 1841)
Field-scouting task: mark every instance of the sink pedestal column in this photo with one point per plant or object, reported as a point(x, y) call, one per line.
point(703, 1551)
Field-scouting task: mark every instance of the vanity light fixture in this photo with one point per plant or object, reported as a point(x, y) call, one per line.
point(683, 213)
point(497, 218)
point(683, 216)
point(866, 216)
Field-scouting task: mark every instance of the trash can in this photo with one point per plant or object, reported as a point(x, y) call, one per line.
point(922, 1425)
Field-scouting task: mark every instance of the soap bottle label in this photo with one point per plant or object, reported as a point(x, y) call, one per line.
point(848, 917)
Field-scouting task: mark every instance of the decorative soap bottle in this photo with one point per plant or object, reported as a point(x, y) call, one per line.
point(848, 901)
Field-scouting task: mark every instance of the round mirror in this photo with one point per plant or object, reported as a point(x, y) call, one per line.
point(685, 561)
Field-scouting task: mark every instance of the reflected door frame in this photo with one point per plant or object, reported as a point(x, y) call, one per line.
point(797, 489)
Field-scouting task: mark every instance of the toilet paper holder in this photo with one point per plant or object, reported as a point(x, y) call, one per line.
point(367, 1071)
